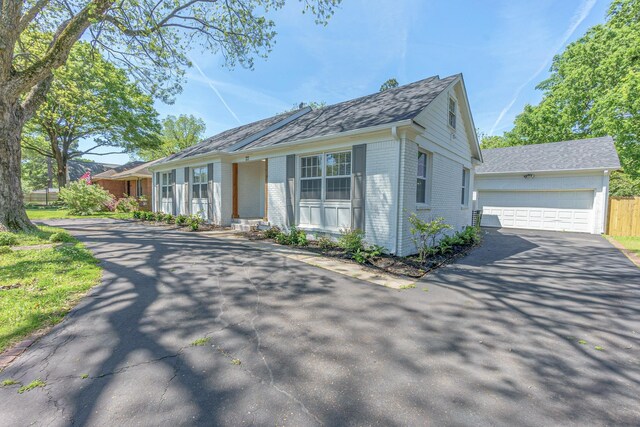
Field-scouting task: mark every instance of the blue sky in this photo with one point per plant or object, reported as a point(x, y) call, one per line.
point(503, 48)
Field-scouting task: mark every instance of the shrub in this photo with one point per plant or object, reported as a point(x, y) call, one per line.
point(325, 243)
point(137, 214)
point(127, 204)
point(194, 222)
point(425, 234)
point(169, 219)
point(272, 232)
point(363, 255)
point(60, 236)
point(5, 250)
point(149, 216)
point(294, 237)
point(8, 239)
point(182, 219)
point(351, 240)
point(85, 199)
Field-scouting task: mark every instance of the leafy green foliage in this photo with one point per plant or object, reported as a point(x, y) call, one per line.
point(351, 241)
point(294, 237)
point(182, 220)
point(33, 384)
point(62, 237)
point(169, 219)
point(194, 222)
point(425, 233)
point(90, 100)
point(593, 90)
point(127, 204)
point(364, 255)
point(8, 239)
point(85, 199)
point(272, 232)
point(389, 84)
point(325, 243)
point(178, 133)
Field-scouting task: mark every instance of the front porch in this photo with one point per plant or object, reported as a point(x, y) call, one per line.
point(249, 195)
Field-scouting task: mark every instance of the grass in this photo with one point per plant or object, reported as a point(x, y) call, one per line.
point(40, 213)
point(201, 341)
point(410, 286)
point(8, 382)
point(33, 384)
point(38, 287)
point(631, 243)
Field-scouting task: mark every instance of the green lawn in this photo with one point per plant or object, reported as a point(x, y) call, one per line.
point(61, 213)
point(39, 286)
point(631, 243)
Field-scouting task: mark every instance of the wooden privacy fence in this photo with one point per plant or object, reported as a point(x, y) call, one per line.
point(40, 197)
point(624, 216)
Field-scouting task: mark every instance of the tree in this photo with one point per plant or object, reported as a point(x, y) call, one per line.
point(177, 134)
point(593, 90)
point(151, 39)
point(389, 84)
point(91, 100)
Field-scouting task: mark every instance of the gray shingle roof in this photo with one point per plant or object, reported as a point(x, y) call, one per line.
point(590, 153)
point(77, 168)
point(392, 105)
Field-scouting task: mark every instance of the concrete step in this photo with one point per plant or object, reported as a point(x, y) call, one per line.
point(245, 224)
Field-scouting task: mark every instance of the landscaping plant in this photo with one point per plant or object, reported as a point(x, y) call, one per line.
point(351, 241)
point(295, 237)
point(194, 222)
point(127, 204)
point(169, 219)
point(85, 199)
point(425, 234)
point(272, 232)
point(181, 220)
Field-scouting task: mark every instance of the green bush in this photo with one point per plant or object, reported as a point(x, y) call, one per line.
point(351, 240)
point(272, 232)
point(159, 216)
point(425, 234)
point(127, 204)
point(194, 222)
point(149, 216)
point(325, 243)
point(8, 239)
point(85, 199)
point(5, 250)
point(363, 255)
point(295, 237)
point(169, 219)
point(182, 219)
point(137, 214)
point(61, 236)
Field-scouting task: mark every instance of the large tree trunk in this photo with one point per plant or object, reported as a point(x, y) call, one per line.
point(61, 175)
point(12, 214)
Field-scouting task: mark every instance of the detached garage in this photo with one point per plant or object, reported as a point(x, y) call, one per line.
point(561, 186)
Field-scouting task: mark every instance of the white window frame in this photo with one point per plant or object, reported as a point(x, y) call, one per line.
point(464, 195)
point(139, 188)
point(323, 175)
point(199, 184)
point(427, 178)
point(320, 156)
point(327, 177)
point(452, 114)
point(168, 185)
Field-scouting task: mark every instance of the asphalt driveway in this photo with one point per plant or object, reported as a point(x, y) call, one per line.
point(506, 336)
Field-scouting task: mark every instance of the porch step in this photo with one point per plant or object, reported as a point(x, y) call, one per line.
point(246, 224)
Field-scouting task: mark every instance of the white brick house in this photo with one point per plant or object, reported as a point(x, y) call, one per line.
point(366, 163)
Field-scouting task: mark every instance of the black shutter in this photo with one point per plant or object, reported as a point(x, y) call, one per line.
point(290, 188)
point(210, 191)
point(187, 191)
point(359, 185)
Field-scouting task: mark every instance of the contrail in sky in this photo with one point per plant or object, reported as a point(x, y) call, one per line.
point(212, 86)
point(576, 20)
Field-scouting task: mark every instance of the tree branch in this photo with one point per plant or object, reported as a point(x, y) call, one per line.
point(31, 14)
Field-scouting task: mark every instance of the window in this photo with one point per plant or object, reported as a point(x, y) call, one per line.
point(199, 183)
point(139, 188)
point(166, 185)
point(311, 178)
point(336, 175)
point(452, 113)
point(338, 172)
point(422, 183)
point(464, 200)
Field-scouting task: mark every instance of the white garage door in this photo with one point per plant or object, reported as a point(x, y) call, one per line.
point(538, 210)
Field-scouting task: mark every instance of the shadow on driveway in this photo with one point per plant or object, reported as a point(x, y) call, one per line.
point(494, 339)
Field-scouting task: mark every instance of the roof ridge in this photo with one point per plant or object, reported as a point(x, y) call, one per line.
point(607, 137)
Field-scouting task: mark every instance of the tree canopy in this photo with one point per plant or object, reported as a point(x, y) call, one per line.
point(150, 39)
point(389, 84)
point(593, 90)
point(178, 133)
point(91, 100)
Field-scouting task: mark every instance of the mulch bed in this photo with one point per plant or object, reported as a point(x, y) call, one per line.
point(400, 266)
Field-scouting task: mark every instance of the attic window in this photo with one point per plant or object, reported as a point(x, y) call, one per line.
point(452, 113)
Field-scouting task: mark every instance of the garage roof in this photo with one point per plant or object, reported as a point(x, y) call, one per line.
point(580, 154)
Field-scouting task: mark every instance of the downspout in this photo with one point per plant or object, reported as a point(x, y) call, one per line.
point(394, 135)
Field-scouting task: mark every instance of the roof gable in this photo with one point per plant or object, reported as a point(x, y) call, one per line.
point(581, 154)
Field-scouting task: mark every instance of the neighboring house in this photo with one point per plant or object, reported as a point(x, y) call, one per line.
point(75, 169)
point(560, 186)
point(131, 179)
point(366, 163)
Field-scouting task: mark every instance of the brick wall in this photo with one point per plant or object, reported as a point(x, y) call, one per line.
point(117, 188)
